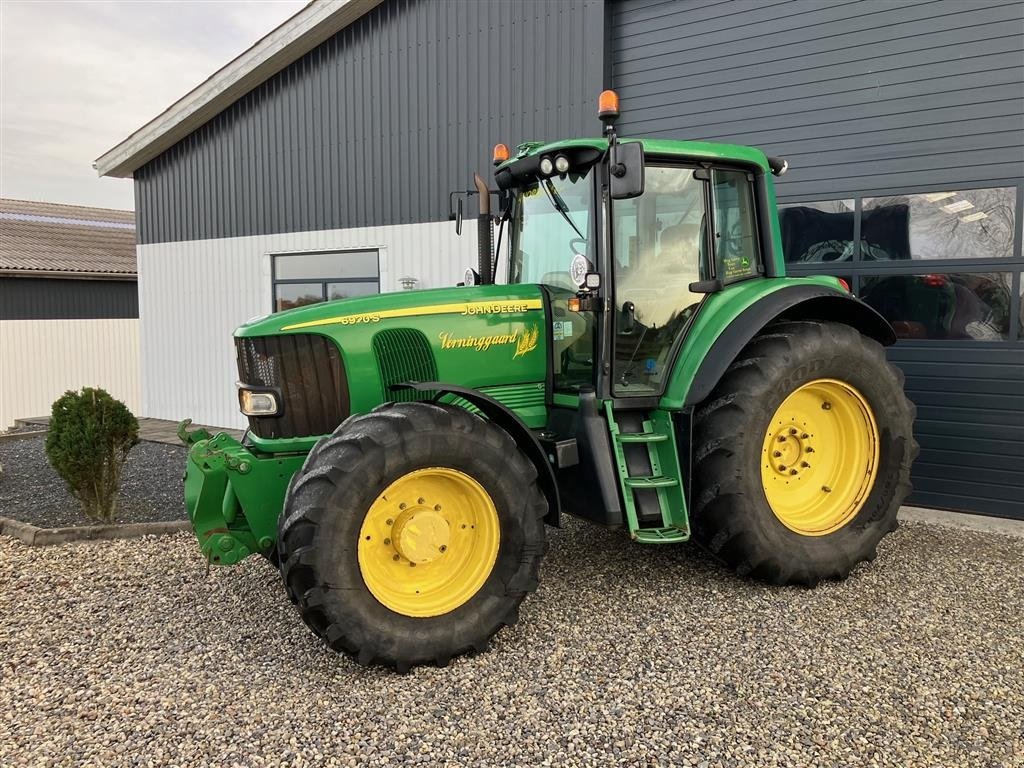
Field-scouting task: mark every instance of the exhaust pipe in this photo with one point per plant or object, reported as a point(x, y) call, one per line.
point(485, 234)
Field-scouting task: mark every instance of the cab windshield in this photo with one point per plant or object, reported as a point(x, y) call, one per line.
point(552, 224)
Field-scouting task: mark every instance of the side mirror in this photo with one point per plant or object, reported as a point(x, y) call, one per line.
point(458, 217)
point(627, 170)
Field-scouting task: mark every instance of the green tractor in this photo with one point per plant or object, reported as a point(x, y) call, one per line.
point(645, 364)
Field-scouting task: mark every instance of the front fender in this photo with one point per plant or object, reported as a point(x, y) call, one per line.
point(505, 418)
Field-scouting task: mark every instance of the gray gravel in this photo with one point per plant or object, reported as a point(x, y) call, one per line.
point(128, 653)
point(31, 491)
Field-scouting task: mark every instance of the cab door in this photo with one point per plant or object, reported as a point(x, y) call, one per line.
point(689, 225)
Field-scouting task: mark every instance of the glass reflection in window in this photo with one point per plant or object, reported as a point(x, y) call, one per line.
point(817, 233)
point(968, 224)
point(955, 306)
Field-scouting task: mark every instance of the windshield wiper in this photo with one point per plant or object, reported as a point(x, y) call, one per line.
point(559, 205)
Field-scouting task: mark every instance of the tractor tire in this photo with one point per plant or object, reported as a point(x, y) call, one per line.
point(802, 455)
point(412, 534)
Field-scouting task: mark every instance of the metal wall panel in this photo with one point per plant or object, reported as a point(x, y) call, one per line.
point(42, 359)
point(863, 98)
point(970, 425)
point(27, 298)
point(377, 125)
point(193, 294)
point(860, 97)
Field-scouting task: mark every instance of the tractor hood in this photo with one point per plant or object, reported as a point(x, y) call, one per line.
point(488, 337)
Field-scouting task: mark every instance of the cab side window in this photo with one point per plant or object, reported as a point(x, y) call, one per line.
point(736, 247)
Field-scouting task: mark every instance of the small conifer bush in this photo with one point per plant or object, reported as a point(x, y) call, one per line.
point(88, 441)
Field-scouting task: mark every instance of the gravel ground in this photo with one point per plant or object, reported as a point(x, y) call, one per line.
point(129, 653)
point(30, 490)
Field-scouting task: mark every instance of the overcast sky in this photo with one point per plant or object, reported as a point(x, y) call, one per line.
point(76, 78)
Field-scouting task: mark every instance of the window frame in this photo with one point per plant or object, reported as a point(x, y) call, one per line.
point(754, 199)
point(312, 280)
point(857, 268)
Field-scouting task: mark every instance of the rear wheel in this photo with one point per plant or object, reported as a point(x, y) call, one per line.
point(412, 534)
point(802, 454)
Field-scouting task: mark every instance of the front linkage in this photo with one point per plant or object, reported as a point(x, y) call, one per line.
point(233, 496)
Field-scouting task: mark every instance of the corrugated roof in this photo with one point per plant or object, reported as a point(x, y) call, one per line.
point(74, 240)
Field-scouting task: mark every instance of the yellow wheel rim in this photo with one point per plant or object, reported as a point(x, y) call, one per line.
point(819, 458)
point(429, 542)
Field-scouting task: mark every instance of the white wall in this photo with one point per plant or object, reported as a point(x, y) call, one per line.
point(42, 359)
point(193, 294)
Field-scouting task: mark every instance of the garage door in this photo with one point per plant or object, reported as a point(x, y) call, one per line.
point(904, 125)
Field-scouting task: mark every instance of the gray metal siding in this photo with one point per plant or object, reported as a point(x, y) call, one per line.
point(860, 97)
point(26, 298)
point(970, 425)
point(864, 98)
point(377, 125)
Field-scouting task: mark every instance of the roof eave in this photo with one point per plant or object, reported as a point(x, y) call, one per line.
point(307, 29)
point(69, 274)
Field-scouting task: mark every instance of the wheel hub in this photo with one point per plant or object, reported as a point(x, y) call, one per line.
point(790, 454)
point(420, 535)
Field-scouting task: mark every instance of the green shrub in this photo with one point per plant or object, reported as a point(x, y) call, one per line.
point(88, 441)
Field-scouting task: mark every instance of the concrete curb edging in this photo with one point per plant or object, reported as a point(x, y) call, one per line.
point(34, 536)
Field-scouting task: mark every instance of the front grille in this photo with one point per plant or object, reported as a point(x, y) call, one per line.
point(404, 354)
point(306, 371)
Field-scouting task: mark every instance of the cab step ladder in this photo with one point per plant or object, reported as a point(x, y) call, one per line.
point(659, 438)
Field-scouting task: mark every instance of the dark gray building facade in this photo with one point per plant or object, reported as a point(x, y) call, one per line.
point(903, 121)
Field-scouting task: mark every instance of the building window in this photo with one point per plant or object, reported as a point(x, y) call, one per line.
point(959, 306)
point(309, 278)
point(970, 224)
point(817, 233)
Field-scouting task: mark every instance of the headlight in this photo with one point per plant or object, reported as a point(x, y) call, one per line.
point(561, 163)
point(546, 166)
point(257, 403)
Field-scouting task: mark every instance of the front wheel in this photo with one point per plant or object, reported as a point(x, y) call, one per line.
point(802, 454)
point(412, 534)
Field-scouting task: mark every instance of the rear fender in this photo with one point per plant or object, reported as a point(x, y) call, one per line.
point(796, 302)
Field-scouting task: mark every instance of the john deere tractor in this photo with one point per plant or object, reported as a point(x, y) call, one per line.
point(643, 362)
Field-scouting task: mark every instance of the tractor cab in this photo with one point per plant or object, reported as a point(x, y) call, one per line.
point(629, 239)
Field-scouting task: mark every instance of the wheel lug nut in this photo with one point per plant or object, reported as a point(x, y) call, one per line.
point(792, 471)
point(412, 565)
point(402, 505)
point(395, 558)
point(782, 438)
point(826, 489)
point(387, 541)
point(437, 507)
point(810, 450)
point(792, 431)
point(389, 521)
point(826, 406)
point(782, 467)
point(442, 548)
point(804, 436)
point(802, 464)
point(419, 500)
